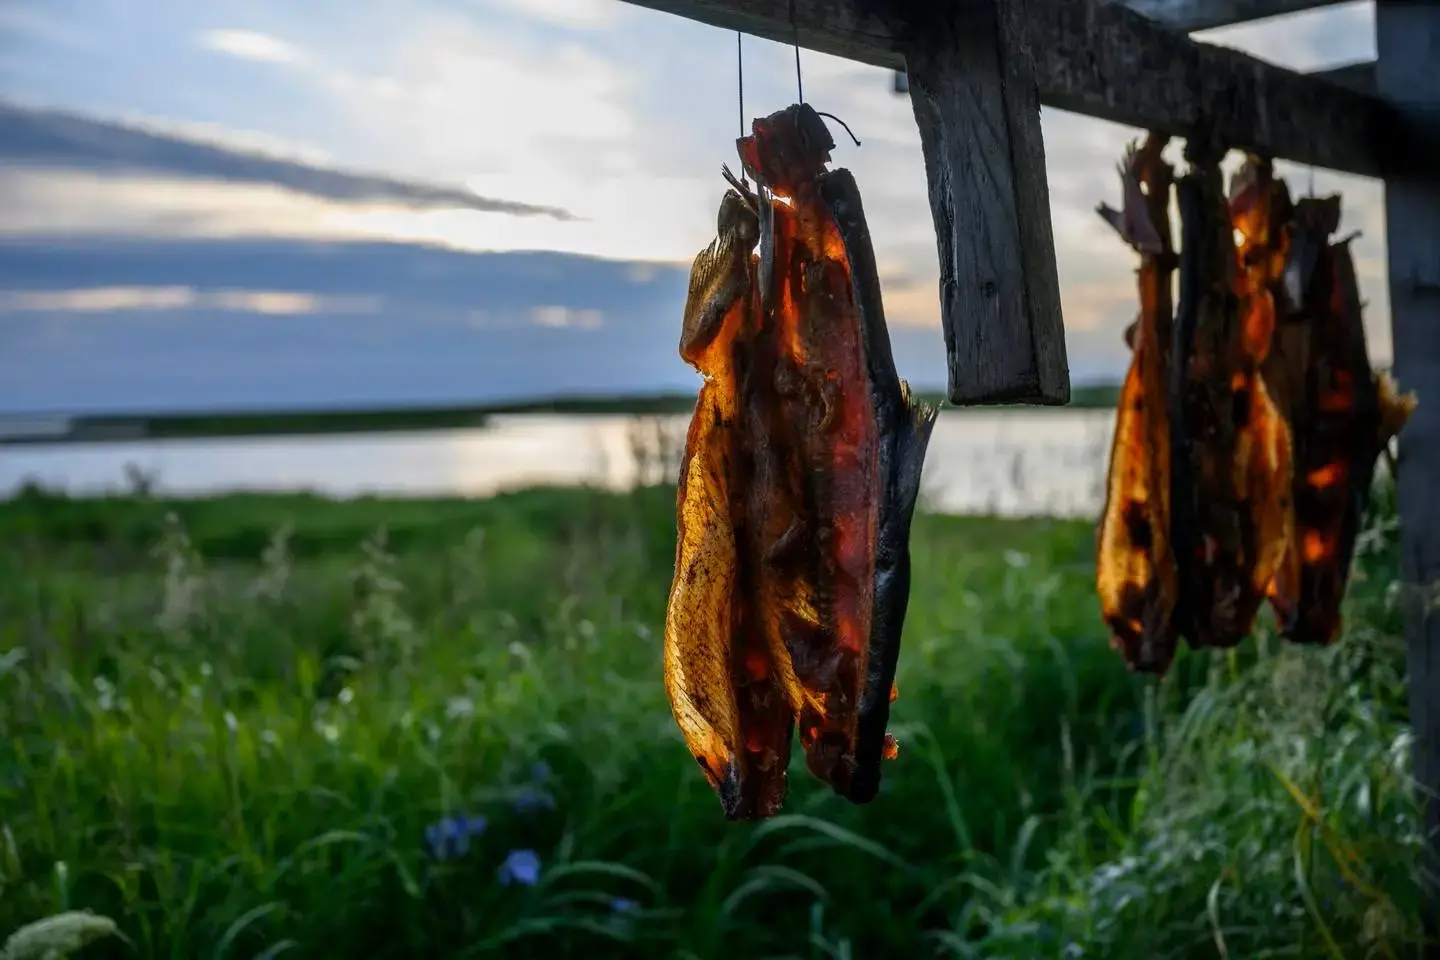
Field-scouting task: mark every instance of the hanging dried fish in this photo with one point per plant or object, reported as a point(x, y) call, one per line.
point(1342, 416)
point(1232, 516)
point(735, 720)
point(802, 471)
point(1261, 214)
point(1135, 569)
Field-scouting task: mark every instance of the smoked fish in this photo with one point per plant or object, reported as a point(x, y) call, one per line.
point(1135, 570)
point(1231, 451)
point(1341, 414)
point(800, 478)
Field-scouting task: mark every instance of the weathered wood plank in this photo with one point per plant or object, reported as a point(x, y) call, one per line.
point(984, 154)
point(1359, 76)
point(1110, 62)
point(1189, 15)
point(1408, 40)
point(1356, 76)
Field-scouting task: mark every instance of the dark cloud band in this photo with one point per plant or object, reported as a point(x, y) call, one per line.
point(54, 139)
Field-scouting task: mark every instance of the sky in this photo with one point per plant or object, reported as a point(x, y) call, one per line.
point(252, 204)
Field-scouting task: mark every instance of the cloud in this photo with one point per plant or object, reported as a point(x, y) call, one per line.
point(249, 45)
point(575, 14)
point(566, 317)
point(92, 325)
point(115, 299)
point(54, 139)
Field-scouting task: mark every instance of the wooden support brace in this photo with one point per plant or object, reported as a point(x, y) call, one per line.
point(1406, 76)
point(975, 101)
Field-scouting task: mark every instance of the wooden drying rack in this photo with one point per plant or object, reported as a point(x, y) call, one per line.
point(977, 72)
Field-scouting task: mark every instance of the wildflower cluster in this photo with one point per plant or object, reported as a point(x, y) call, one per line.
point(449, 838)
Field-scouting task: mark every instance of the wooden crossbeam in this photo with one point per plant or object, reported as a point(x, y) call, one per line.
point(1106, 61)
point(1190, 15)
point(1359, 76)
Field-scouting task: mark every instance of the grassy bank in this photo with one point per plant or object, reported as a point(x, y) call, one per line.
point(253, 726)
point(192, 426)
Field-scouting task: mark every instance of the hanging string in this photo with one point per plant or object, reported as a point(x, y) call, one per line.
point(740, 73)
point(842, 123)
point(795, 32)
point(740, 95)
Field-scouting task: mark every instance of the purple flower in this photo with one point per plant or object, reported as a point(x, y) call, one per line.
point(522, 867)
point(450, 837)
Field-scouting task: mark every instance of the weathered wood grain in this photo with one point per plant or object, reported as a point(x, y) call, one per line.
point(1110, 62)
point(979, 121)
point(1406, 73)
point(1358, 76)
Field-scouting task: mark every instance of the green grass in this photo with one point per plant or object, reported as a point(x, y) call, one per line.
point(226, 723)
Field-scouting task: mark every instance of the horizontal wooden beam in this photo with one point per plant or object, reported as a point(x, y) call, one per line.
point(1190, 15)
point(1106, 61)
point(1359, 76)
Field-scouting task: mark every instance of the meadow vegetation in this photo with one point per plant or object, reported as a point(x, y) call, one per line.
point(283, 725)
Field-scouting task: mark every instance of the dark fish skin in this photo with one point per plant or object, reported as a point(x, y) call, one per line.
point(1231, 450)
point(798, 486)
point(788, 152)
point(1336, 408)
point(905, 432)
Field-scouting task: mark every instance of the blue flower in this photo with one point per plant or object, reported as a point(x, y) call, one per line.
point(540, 772)
point(521, 866)
point(450, 837)
point(623, 905)
point(529, 799)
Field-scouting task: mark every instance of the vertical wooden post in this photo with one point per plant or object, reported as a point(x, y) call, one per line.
point(1408, 77)
point(973, 91)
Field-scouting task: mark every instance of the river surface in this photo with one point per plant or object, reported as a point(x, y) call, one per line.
point(1010, 462)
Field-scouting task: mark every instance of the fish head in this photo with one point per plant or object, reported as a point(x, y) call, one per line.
point(788, 149)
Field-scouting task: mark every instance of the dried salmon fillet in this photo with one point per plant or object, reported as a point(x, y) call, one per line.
point(1342, 417)
point(1230, 446)
point(716, 674)
point(802, 471)
point(1135, 570)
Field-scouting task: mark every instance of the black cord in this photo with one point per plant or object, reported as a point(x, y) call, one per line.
point(795, 30)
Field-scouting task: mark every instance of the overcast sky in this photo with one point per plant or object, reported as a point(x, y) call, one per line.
point(266, 203)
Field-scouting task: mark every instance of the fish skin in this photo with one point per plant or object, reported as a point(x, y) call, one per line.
point(800, 480)
point(1342, 417)
point(720, 706)
point(1231, 447)
point(863, 454)
point(1135, 575)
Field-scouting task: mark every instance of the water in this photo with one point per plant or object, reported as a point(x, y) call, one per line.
point(1010, 462)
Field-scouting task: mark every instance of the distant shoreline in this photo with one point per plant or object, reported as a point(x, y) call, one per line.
point(121, 427)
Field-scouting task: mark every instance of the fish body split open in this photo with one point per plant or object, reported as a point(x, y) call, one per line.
point(1250, 421)
point(800, 478)
point(1342, 416)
